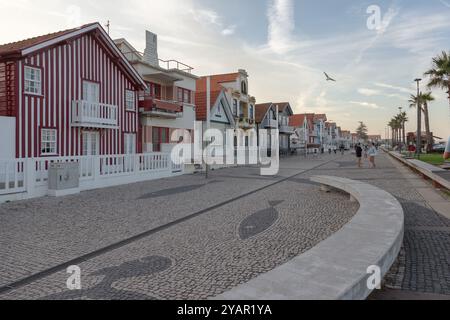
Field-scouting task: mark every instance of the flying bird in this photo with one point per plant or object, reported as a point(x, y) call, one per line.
point(329, 78)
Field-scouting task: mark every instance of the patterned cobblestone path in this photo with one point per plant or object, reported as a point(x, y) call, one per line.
point(206, 236)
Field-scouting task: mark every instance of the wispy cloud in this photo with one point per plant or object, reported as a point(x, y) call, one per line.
point(281, 25)
point(392, 87)
point(366, 104)
point(368, 92)
point(380, 31)
point(211, 17)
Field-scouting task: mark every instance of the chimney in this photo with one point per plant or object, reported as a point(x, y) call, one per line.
point(151, 49)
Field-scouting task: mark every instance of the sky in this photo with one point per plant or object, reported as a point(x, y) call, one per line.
point(285, 46)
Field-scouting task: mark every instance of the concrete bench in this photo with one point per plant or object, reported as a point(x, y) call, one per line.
point(438, 176)
point(337, 268)
point(425, 166)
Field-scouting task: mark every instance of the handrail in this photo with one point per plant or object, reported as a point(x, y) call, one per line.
point(185, 67)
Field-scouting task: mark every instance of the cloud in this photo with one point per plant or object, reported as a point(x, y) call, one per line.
point(368, 92)
point(366, 104)
point(281, 25)
point(380, 31)
point(397, 88)
point(228, 31)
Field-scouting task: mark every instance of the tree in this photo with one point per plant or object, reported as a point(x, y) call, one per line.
point(402, 118)
point(362, 131)
point(440, 73)
point(424, 99)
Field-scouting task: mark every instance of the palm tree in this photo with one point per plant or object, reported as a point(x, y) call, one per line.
point(427, 98)
point(440, 73)
point(391, 124)
point(403, 118)
point(424, 99)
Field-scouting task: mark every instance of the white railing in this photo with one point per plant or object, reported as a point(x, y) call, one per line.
point(92, 114)
point(12, 176)
point(270, 123)
point(41, 165)
point(29, 177)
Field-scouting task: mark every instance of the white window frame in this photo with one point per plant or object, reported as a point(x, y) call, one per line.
point(130, 100)
point(36, 83)
point(91, 91)
point(46, 133)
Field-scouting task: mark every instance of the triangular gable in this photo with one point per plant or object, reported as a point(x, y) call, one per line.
point(221, 110)
point(34, 45)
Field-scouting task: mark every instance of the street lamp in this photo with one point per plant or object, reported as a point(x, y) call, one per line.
point(419, 120)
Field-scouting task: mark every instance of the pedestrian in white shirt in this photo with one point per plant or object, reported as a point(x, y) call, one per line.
point(372, 153)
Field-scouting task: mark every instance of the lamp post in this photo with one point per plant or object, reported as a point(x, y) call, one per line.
point(419, 121)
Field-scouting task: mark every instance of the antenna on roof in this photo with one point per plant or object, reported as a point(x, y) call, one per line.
point(108, 24)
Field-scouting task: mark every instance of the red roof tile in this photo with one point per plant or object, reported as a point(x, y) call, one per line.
point(216, 81)
point(200, 102)
point(261, 111)
point(16, 47)
point(297, 120)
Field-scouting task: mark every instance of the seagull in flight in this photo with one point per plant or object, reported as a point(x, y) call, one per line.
point(329, 78)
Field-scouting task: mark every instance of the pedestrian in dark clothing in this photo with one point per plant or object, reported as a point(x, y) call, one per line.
point(359, 152)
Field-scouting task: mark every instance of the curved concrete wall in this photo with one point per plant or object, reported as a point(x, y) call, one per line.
point(337, 268)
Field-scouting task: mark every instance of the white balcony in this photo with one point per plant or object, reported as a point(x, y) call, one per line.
point(286, 129)
point(270, 123)
point(88, 114)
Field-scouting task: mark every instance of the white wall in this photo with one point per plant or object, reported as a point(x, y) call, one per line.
point(7, 138)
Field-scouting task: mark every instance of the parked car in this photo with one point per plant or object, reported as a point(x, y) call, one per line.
point(439, 148)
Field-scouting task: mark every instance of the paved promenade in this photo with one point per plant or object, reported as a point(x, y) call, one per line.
point(191, 238)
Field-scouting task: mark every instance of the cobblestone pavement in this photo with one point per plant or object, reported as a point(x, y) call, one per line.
point(423, 265)
point(263, 222)
point(232, 238)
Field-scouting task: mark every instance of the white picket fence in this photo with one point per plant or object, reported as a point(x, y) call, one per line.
point(28, 178)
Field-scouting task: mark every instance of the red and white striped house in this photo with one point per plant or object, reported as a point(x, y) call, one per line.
point(69, 93)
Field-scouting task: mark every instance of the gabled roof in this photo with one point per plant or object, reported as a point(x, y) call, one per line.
point(26, 47)
point(282, 106)
point(310, 119)
point(18, 46)
point(261, 110)
point(297, 120)
point(200, 101)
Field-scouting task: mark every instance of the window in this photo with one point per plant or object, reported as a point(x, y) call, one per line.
point(91, 91)
point(235, 107)
point(33, 81)
point(244, 87)
point(250, 112)
point(130, 102)
point(184, 95)
point(154, 90)
point(48, 142)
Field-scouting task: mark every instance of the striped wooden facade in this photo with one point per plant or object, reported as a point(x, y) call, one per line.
point(65, 65)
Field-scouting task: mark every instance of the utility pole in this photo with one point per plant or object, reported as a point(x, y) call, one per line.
point(419, 121)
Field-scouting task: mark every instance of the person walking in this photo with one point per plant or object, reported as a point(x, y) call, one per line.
point(342, 149)
point(359, 152)
point(372, 153)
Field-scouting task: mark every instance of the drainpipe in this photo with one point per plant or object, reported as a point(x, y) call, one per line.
point(208, 116)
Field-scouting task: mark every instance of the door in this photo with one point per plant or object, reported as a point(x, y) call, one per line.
point(129, 143)
point(159, 136)
point(90, 143)
point(129, 149)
